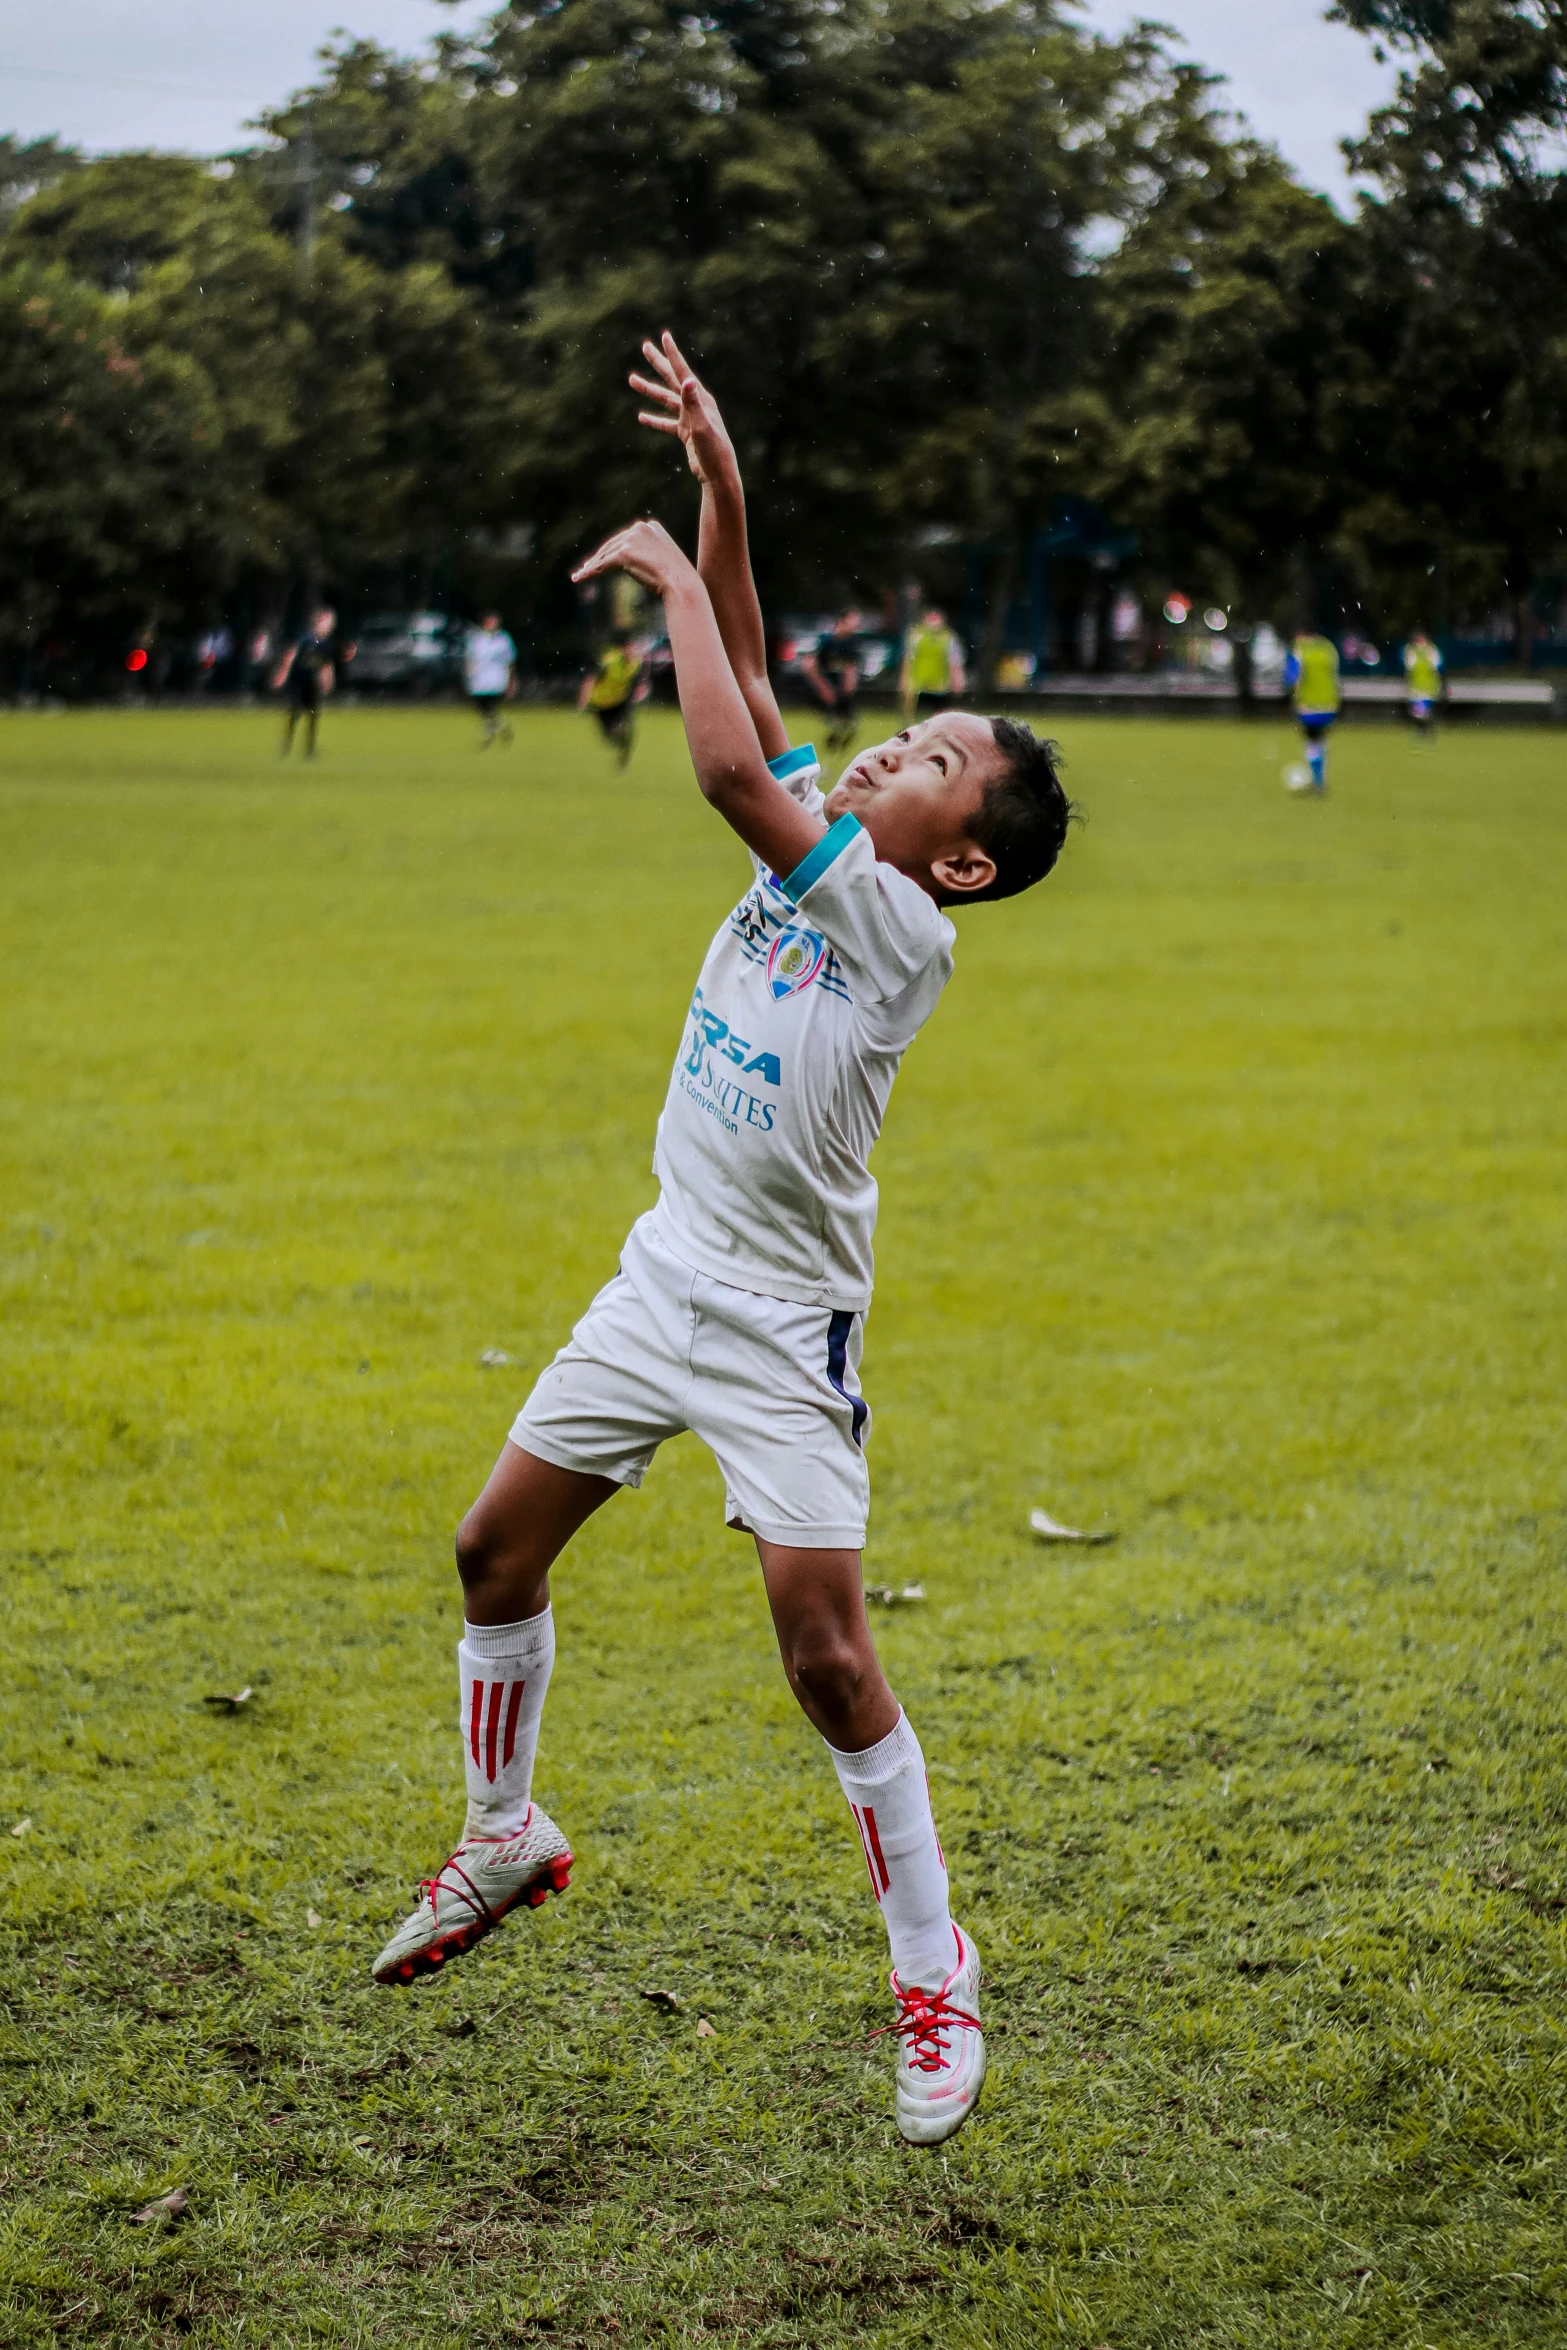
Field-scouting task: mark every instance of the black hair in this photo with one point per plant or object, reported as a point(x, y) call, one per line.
point(1022, 819)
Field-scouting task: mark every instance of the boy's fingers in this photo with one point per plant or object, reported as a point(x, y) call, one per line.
point(653, 391)
point(658, 423)
point(622, 551)
point(677, 358)
point(655, 358)
point(603, 557)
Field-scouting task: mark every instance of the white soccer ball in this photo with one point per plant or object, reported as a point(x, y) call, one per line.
point(1297, 778)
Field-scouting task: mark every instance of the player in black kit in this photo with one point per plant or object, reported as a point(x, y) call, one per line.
point(306, 674)
point(833, 675)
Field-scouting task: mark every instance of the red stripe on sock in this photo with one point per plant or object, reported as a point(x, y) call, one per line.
point(870, 1867)
point(513, 1707)
point(865, 1850)
point(875, 1844)
point(497, 1690)
point(474, 1718)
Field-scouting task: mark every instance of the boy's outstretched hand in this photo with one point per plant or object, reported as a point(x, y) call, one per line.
point(687, 409)
point(647, 551)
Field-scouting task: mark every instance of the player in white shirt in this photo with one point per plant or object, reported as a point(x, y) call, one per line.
point(739, 1306)
point(490, 669)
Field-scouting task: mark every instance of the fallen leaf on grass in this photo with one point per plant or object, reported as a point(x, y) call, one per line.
point(22, 1828)
point(312, 1918)
point(464, 2029)
point(231, 1705)
point(1049, 1530)
point(664, 1999)
point(885, 1596)
point(162, 2207)
point(704, 2030)
point(493, 1360)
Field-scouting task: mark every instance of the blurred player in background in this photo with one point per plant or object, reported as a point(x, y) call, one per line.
point(612, 693)
point(258, 660)
point(932, 666)
point(832, 672)
point(213, 652)
point(1311, 673)
point(306, 674)
point(1422, 680)
point(490, 670)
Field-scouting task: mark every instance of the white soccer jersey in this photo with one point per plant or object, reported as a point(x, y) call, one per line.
point(811, 993)
point(488, 659)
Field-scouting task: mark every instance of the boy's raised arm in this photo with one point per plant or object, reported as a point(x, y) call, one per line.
point(725, 750)
point(688, 410)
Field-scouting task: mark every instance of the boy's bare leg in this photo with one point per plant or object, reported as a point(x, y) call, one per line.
point(511, 1851)
point(517, 1529)
point(818, 1603)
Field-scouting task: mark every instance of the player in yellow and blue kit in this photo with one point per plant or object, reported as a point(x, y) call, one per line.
point(1422, 680)
point(1311, 673)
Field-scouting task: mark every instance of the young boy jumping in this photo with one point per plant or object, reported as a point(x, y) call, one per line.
point(738, 1310)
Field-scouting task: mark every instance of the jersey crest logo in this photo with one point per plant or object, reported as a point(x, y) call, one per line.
point(794, 959)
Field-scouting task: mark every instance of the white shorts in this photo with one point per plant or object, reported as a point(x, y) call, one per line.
point(771, 1388)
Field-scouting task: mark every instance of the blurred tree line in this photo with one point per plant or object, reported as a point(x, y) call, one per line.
point(952, 264)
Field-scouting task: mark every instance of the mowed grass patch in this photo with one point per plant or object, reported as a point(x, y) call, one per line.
point(1222, 1205)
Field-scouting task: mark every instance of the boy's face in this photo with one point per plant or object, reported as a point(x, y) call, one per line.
point(917, 794)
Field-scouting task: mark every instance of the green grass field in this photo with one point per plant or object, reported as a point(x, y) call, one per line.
point(1223, 1204)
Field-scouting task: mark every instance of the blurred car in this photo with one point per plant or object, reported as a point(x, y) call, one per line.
point(407, 652)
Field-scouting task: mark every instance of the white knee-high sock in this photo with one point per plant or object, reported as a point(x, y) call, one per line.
point(888, 1794)
point(503, 1671)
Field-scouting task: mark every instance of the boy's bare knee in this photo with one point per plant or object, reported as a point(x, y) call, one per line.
point(476, 1550)
point(829, 1670)
point(503, 1563)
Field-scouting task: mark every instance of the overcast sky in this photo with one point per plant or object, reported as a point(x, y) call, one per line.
point(191, 73)
point(1301, 82)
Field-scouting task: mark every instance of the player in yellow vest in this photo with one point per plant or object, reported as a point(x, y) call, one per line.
point(612, 695)
point(932, 665)
point(1422, 679)
point(1312, 674)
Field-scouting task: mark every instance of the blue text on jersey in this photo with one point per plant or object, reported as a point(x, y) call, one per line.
point(709, 1031)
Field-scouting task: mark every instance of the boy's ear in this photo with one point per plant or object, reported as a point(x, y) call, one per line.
point(964, 871)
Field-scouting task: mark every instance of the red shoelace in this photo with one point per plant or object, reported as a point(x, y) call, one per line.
point(467, 1891)
point(924, 2019)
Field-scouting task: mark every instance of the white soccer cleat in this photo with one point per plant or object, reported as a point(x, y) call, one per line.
point(941, 2053)
point(468, 1897)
